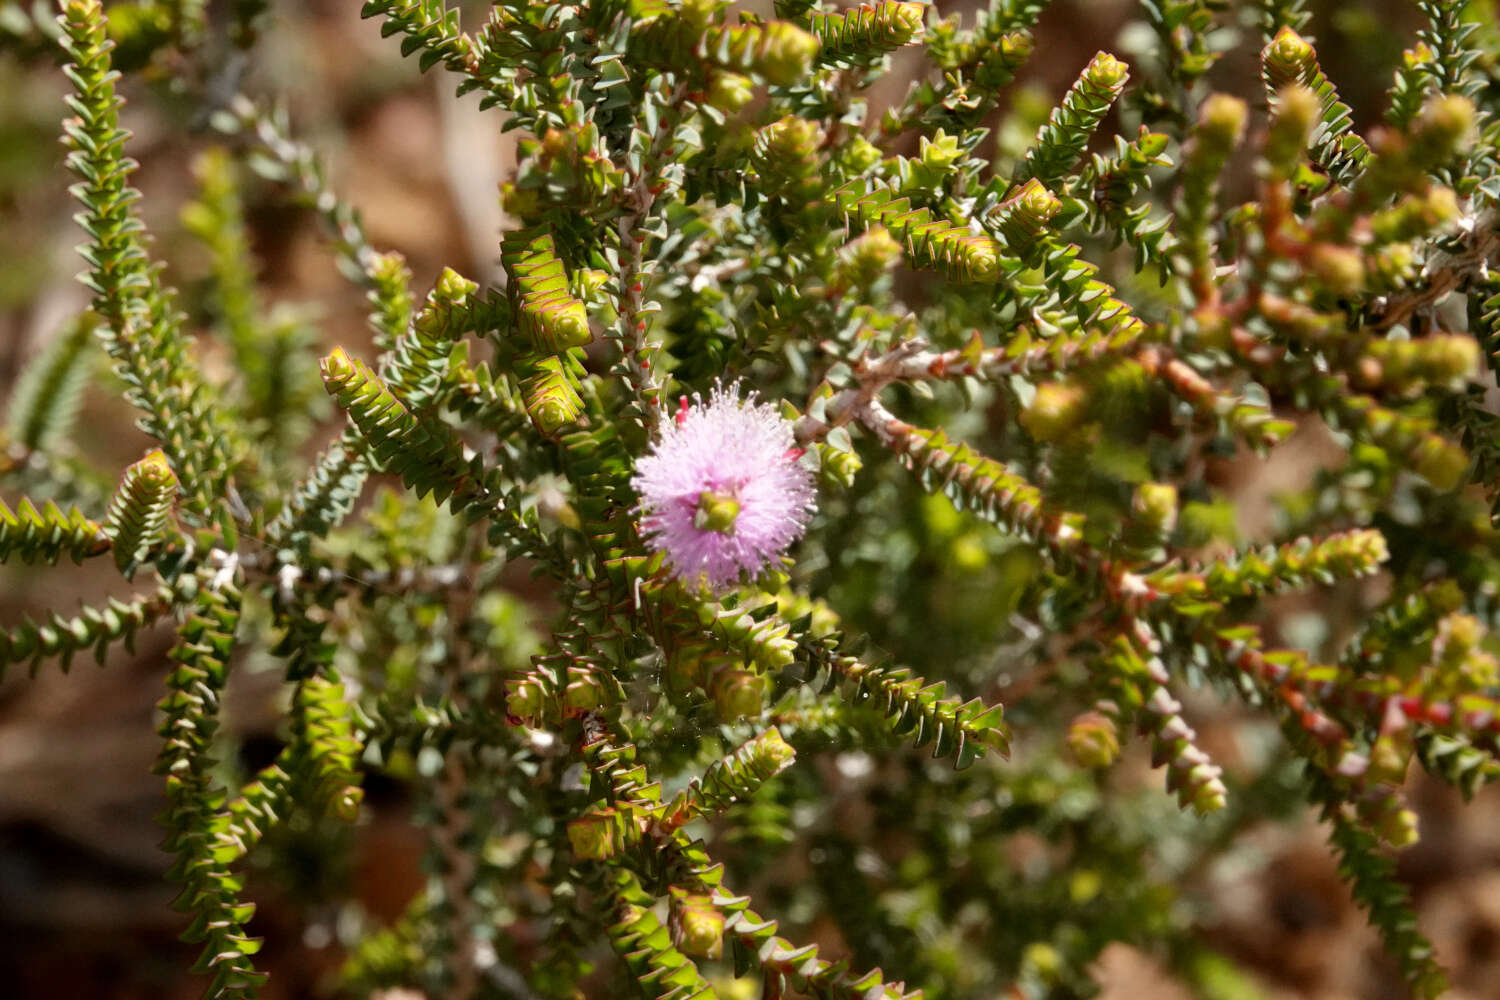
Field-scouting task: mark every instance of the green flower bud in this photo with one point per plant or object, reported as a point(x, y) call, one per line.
point(1287, 58)
point(596, 835)
point(1392, 822)
point(697, 14)
point(1450, 357)
point(139, 512)
point(738, 694)
point(863, 260)
point(1106, 72)
point(786, 53)
point(1394, 265)
point(786, 156)
point(1458, 635)
point(940, 152)
point(1093, 740)
point(525, 699)
point(1024, 216)
point(1209, 794)
point(1043, 960)
point(859, 155)
point(697, 925)
point(716, 512)
point(1121, 392)
point(1297, 110)
point(591, 280)
point(1440, 462)
point(1389, 758)
point(837, 469)
point(981, 260)
point(1156, 505)
point(1480, 670)
point(1439, 359)
point(1056, 410)
point(1221, 123)
point(1340, 269)
point(1415, 215)
point(904, 19)
point(1418, 55)
point(728, 91)
point(455, 287)
point(773, 750)
point(1445, 121)
point(1036, 203)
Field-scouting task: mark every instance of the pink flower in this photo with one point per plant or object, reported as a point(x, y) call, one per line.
point(722, 493)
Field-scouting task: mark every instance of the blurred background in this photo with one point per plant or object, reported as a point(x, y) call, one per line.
point(84, 908)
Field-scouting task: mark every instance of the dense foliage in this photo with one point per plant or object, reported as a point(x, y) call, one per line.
point(1016, 353)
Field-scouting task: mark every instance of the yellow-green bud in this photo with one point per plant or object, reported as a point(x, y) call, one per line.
point(1156, 504)
point(1394, 264)
point(1297, 109)
point(1446, 596)
point(786, 53)
point(1440, 462)
point(1209, 794)
point(1444, 122)
point(1480, 669)
point(786, 156)
point(1418, 55)
point(1035, 202)
point(1392, 822)
point(859, 155)
point(455, 287)
point(1455, 356)
point(1093, 740)
point(596, 835)
point(1415, 215)
point(524, 700)
point(1287, 57)
point(1340, 269)
point(1056, 410)
point(905, 19)
point(838, 468)
point(1221, 122)
point(738, 694)
point(1440, 206)
point(697, 925)
point(1107, 72)
point(1042, 959)
point(771, 748)
point(865, 259)
point(1459, 634)
point(981, 259)
point(591, 280)
point(716, 512)
point(940, 152)
point(728, 91)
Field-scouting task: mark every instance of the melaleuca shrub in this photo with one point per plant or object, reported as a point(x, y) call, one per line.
point(873, 464)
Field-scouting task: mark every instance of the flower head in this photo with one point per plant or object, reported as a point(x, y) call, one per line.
point(722, 491)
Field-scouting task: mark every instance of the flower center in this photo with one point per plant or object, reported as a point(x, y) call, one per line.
point(716, 512)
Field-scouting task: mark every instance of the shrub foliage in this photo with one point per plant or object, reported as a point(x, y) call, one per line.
point(1020, 369)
